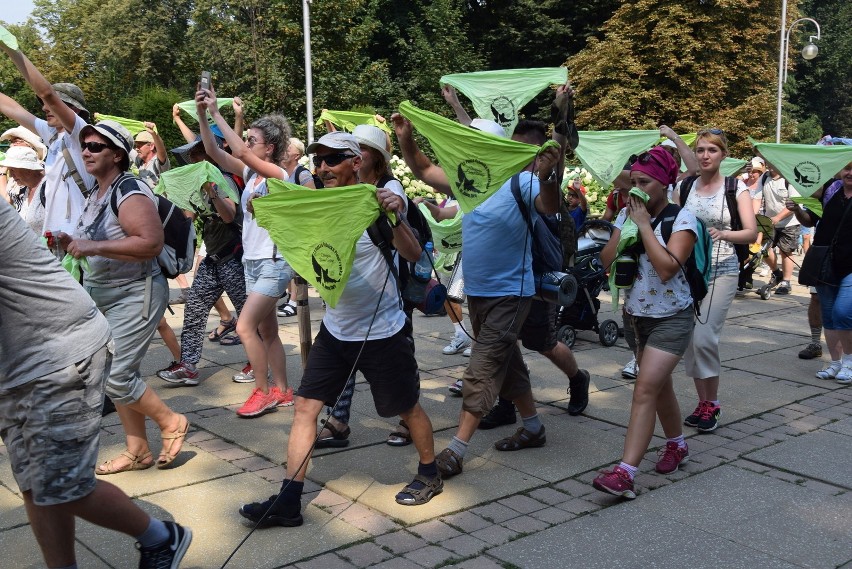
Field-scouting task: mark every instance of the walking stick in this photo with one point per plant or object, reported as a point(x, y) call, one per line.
point(303, 313)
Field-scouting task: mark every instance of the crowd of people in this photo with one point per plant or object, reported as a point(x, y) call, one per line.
point(71, 181)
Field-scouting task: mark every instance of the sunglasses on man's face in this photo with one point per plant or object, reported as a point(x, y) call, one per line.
point(94, 147)
point(331, 160)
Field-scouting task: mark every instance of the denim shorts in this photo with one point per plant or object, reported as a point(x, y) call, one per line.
point(267, 276)
point(836, 304)
point(671, 334)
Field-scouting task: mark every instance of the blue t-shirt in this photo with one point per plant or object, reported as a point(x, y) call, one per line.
point(496, 247)
point(579, 216)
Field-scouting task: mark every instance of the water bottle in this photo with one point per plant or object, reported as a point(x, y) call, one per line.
point(415, 291)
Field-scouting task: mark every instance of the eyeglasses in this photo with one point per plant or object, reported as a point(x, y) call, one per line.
point(251, 141)
point(94, 147)
point(331, 160)
point(647, 157)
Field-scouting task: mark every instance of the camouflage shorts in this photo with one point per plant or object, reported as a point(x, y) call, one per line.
point(51, 427)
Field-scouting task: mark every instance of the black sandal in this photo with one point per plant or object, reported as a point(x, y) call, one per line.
point(426, 490)
point(399, 438)
point(338, 438)
point(229, 326)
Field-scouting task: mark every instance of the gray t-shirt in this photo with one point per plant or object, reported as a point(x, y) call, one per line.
point(150, 172)
point(47, 321)
point(774, 193)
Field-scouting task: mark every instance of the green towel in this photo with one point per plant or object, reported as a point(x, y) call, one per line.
point(189, 106)
point(134, 126)
point(812, 204)
point(499, 95)
point(348, 120)
point(446, 234)
point(183, 186)
point(75, 266)
point(604, 154)
point(306, 226)
point(8, 38)
point(806, 167)
point(629, 236)
point(476, 163)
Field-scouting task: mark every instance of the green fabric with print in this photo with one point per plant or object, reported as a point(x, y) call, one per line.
point(446, 234)
point(806, 167)
point(134, 126)
point(499, 95)
point(811, 204)
point(731, 166)
point(629, 236)
point(189, 106)
point(306, 226)
point(604, 154)
point(476, 163)
point(182, 186)
point(348, 120)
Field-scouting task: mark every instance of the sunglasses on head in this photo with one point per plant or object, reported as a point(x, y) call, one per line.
point(332, 160)
point(715, 131)
point(94, 147)
point(647, 157)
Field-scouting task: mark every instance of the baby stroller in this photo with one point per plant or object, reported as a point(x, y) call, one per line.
point(591, 278)
point(758, 254)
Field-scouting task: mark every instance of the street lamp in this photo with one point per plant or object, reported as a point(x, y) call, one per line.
point(309, 82)
point(809, 52)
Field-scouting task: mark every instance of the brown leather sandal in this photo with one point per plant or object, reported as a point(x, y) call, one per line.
point(134, 464)
point(171, 440)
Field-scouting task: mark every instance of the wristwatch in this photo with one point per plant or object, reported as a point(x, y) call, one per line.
point(550, 179)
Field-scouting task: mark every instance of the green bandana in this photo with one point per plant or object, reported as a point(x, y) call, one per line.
point(731, 166)
point(806, 166)
point(134, 126)
point(811, 204)
point(629, 236)
point(183, 186)
point(500, 95)
point(8, 38)
point(306, 226)
point(446, 234)
point(348, 120)
point(189, 106)
point(605, 153)
point(75, 266)
point(476, 163)
point(2, 156)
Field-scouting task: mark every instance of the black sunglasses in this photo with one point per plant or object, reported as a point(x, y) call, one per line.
point(331, 160)
point(647, 157)
point(94, 147)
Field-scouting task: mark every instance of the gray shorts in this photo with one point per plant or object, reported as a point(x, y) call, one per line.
point(787, 239)
point(51, 427)
point(267, 277)
point(671, 334)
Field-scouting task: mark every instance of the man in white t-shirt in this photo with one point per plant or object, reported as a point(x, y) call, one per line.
point(153, 158)
point(67, 182)
point(773, 192)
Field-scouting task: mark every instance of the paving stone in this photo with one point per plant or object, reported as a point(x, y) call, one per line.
point(525, 525)
point(430, 556)
point(479, 563)
point(748, 427)
point(522, 504)
point(400, 542)
point(232, 453)
point(495, 512)
point(465, 545)
point(749, 465)
point(326, 561)
point(579, 506)
point(549, 496)
point(466, 521)
point(575, 488)
point(495, 535)
point(434, 531)
point(365, 554)
point(253, 463)
point(211, 445)
point(822, 455)
point(374, 524)
point(553, 515)
point(397, 563)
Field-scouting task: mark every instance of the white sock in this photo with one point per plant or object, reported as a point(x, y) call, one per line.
point(678, 440)
point(847, 360)
point(631, 470)
point(458, 327)
point(715, 402)
point(836, 364)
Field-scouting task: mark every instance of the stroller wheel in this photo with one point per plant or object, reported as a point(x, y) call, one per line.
point(608, 333)
point(567, 335)
point(765, 292)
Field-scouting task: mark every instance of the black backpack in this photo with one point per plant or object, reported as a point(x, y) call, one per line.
point(731, 199)
point(317, 180)
point(547, 254)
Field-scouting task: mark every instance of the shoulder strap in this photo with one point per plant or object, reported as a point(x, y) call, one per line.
point(733, 206)
point(667, 217)
point(516, 192)
point(113, 198)
point(72, 170)
point(685, 188)
point(381, 235)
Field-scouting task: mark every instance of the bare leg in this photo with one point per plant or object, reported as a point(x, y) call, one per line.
point(222, 309)
point(707, 388)
point(258, 307)
point(302, 435)
point(526, 404)
point(421, 433)
point(468, 422)
point(563, 358)
point(786, 265)
point(454, 311)
point(814, 312)
point(169, 338)
point(181, 281)
point(835, 347)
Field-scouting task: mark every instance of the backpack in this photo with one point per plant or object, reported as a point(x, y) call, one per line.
point(696, 269)
point(317, 180)
point(546, 243)
point(686, 185)
point(178, 254)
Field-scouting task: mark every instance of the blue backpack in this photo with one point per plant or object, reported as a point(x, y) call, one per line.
point(546, 244)
point(697, 266)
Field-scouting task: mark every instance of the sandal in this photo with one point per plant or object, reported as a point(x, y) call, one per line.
point(135, 463)
point(449, 463)
point(522, 439)
point(420, 491)
point(230, 340)
point(286, 310)
point(338, 438)
point(227, 326)
point(170, 440)
point(400, 438)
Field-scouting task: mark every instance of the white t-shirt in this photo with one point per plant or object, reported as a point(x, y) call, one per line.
point(350, 319)
point(651, 297)
point(256, 241)
point(64, 201)
point(774, 193)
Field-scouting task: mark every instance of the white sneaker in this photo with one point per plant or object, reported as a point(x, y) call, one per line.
point(828, 372)
point(459, 343)
point(844, 376)
point(466, 353)
point(631, 370)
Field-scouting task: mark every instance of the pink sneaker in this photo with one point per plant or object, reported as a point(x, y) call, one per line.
point(258, 403)
point(616, 482)
point(671, 457)
point(284, 398)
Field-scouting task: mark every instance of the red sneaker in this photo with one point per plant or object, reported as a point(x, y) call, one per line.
point(258, 403)
point(616, 482)
point(671, 457)
point(284, 398)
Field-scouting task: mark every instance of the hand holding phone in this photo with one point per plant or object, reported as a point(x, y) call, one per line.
point(205, 80)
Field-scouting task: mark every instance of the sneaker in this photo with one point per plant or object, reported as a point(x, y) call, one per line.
point(271, 513)
point(258, 403)
point(498, 416)
point(466, 353)
point(616, 482)
point(708, 420)
point(168, 554)
point(178, 372)
point(245, 376)
point(811, 351)
point(631, 370)
point(284, 398)
point(828, 372)
point(844, 376)
point(578, 392)
point(671, 457)
point(763, 271)
point(456, 388)
point(692, 420)
point(458, 344)
point(783, 288)
point(286, 310)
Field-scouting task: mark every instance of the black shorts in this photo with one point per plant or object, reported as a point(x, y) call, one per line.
point(539, 330)
point(787, 239)
point(388, 365)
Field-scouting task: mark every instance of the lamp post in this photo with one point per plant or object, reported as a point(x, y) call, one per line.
point(309, 80)
point(808, 52)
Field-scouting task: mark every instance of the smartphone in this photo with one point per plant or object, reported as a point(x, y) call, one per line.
point(205, 80)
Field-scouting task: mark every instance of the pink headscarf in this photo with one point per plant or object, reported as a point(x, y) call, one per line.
point(658, 164)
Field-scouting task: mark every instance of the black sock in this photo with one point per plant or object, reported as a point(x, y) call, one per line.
point(428, 470)
point(505, 403)
point(291, 491)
